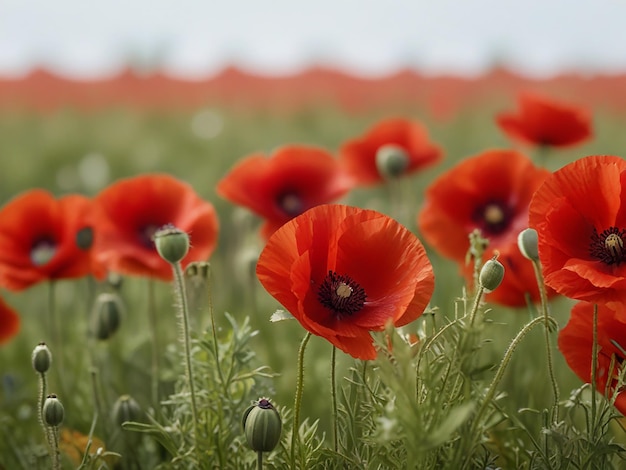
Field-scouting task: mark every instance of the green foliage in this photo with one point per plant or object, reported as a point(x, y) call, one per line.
point(430, 401)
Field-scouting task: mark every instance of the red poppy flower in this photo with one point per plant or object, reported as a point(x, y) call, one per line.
point(128, 212)
point(400, 136)
point(9, 322)
point(43, 238)
point(292, 180)
point(544, 121)
point(575, 342)
point(490, 192)
point(343, 272)
point(580, 216)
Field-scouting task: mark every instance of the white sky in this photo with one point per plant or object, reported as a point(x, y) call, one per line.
point(373, 37)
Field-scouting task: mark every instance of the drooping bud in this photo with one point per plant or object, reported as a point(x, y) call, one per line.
point(262, 426)
point(126, 409)
point(171, 243)
point(53, 411)
point(491, 274)
point(528, 241)
point(106, 315)
point(391, 161)
point(41, 358)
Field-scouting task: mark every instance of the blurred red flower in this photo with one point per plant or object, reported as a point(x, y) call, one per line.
point(576, 339)
point(9, 322)
point(292, 180)
point(361, 155)
point(544, 121)
point(128, 212)
point(44, 238)
point(580, 216)
point(490, 192)
point(343, 272)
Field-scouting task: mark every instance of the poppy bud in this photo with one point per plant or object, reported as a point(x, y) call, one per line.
point(53, 411)
point(491, 274)
point(41, 358)
point(527, 241)
point(106, 315)
point(262, 426)
point(126, 409)
point(391, 161)
point(171, 243)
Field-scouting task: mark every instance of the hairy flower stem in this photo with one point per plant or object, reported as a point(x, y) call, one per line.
point(43, 385)
point(154, 352)
point(53, 431)
point(491, 391)
point(259, 460)
point(594, 364)
point(333, 396)
point(183, 313)
point(546, 316)
point(295, 433)
point(476, 306)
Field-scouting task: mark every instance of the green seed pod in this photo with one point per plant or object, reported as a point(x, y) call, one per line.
point(41, 358)
point(391, 161)
point(84, 238)
point(262, 426)
point(53, 411)
point(491, 274)
point(126, 409)
point(528, 241)
point(172, 244)
point(106, 315)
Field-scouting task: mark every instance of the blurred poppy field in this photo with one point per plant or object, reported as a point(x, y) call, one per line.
point(338, 233)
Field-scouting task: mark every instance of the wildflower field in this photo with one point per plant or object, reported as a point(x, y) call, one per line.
point(315, 287)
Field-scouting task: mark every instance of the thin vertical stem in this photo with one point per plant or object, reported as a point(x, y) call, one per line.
point(594, 364)
point(546, 316)
point(333, 396)
point(259, 460)
point(475, 307)
point(295, 433)
point(183, 311)
point(154, 350)
point(56, 453)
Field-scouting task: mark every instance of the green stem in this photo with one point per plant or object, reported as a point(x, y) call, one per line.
point(333, 397)
point(594, 364)
point(43, 385)
point(56, 453)
point(183, 312)
point(491, 391)
point(546, 316)
point(295, 433)
point(154, 349)
point(259, 460)
point(476, 306)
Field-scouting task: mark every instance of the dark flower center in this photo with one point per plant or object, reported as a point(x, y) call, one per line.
point(290, 203)
point(492, 218)
point(42, 251)
point(341, 295)
point(608, 246)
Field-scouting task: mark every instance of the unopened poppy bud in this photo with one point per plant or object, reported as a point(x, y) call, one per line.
point(106, 315)
point(491, 274)
point(126, 409)
point(171, 243)
point(391, 161)
point(41, 358)
point(53, 411)
point(528, 241)
point(262, 426)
